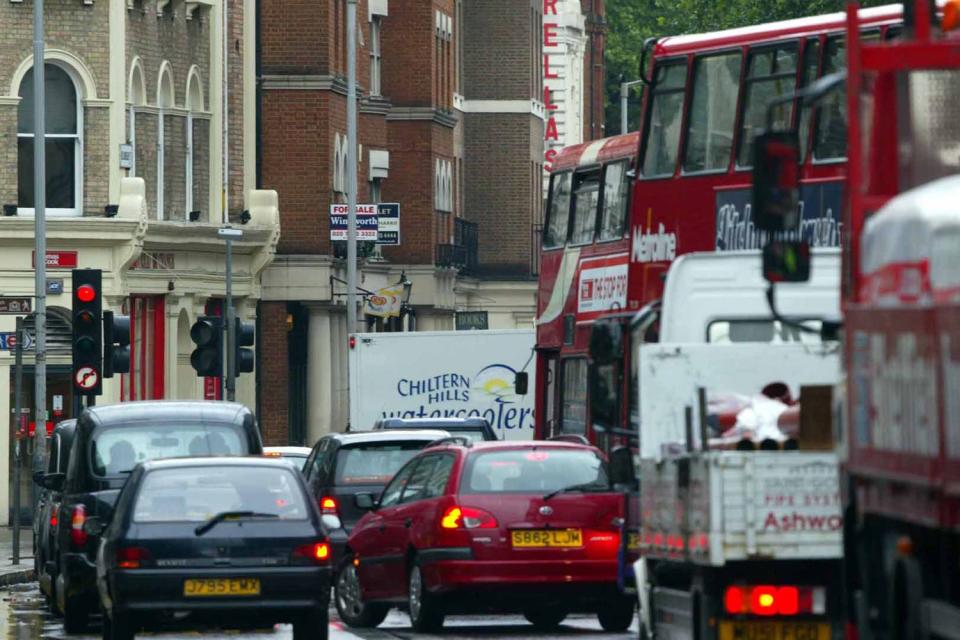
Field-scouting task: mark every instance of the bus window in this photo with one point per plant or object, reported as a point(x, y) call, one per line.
point(811, 63)
point(616, 199)
point(558, 211)
point(586, 198)
point(573, 396)
point(830, 138)
point(666, 113)
point(771, 73)
point(716, 82)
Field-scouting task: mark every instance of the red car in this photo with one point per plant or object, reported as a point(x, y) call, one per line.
point(493, 526)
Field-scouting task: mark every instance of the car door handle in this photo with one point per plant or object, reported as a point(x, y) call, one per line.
point(408, 522)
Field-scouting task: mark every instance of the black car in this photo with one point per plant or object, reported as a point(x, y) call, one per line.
point(45, 551)
point(342, 465)
point(477, 429)
point(214, 542)
point(110, 441)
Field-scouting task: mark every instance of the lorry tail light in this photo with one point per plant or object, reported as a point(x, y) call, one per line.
point(774, 600)
point(78, 518)
point(467, 518)
point(317, 553)
point(329, 506)
point(131, 557)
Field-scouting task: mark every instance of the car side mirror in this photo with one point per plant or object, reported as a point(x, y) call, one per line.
point(365, 501)
point(623, 474)
point(94, 526)
point(52, 481)
point(776, 181)
point(521, 383)
point(786, 261)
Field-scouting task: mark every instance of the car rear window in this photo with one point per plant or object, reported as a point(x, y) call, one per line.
point(196, 494)
point(532, 471)
point(375, 462)
point(116, 450)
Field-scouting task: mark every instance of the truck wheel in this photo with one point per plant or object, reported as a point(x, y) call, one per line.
point(616, 616)
point(313, 626)
point(350, 605)
point(545, 618)
point(425, 614)
point(908, 596)
point(76, 616)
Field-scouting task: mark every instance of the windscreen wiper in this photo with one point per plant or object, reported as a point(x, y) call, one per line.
point(226, 515)
point(577, 487)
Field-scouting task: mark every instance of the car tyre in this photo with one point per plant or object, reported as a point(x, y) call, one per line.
point(350, 605)
point(617, 616)
point(425, 613)
point(545, 618)
point(312, 626)
point(116, 627)
point(76, 616)
point(53, 601)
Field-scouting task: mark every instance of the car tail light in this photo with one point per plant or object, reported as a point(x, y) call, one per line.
point(78, 537)
point(329, 506)
point(318, 552)
point(467, 518)
point(131, 557)
point(774, 600)
point(53, 516)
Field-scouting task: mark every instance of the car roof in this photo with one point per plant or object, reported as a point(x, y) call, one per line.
point(157, 411)
point(215, 461)
point(440, 423)
point(518, 445)
point(292, 450)
point(393, 435)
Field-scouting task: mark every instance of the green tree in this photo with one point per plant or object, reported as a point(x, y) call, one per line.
point(631, 22)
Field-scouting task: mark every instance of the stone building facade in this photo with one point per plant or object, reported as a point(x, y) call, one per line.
point(134, 167)
point(451, 128)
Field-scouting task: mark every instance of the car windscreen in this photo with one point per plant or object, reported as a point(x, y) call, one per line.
point(373, 462)
point(196, 494)
point(533, 471)
point(115, 450)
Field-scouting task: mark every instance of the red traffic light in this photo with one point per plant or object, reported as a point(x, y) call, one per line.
point(86, 293)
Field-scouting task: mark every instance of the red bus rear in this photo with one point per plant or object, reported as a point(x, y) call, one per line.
point(620, 210)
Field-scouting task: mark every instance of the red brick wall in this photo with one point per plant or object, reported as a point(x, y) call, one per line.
point(273, 388)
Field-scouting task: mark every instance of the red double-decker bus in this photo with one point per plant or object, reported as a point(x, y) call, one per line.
point(620, 210)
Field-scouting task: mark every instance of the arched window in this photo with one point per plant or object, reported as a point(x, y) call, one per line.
point(136, 96)
point(194, 104)
point(165, 100)
point(64, 143)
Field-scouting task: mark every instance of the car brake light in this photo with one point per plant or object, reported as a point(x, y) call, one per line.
point(53, 517)
point(774, 600)
point(131, 557)
point(318, 552)
point(328, 506)
point(467, 518)
point(77, 519)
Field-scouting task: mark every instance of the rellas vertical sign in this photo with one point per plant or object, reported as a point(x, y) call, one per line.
point(550, 35)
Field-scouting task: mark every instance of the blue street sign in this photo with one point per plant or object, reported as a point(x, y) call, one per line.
point(8, 341)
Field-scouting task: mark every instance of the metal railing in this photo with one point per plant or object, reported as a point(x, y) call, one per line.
point(463, 252)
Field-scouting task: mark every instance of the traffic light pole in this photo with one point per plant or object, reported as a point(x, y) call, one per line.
point(40, 243)
point(229, 234)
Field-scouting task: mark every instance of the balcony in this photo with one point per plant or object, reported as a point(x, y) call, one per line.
point(462, 253)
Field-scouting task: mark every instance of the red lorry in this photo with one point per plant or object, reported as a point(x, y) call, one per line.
point(897, 417)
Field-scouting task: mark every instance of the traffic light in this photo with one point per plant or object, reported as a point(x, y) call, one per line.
point(207, 358)
point(116, 344)
point(245, 337)
point(87, 345)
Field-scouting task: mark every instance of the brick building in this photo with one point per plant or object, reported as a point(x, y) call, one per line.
point(134, 174)
point(451, 128)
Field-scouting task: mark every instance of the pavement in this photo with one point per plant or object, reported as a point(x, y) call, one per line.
point(16, 573)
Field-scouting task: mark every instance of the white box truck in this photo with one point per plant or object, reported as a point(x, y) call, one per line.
point(443, 374)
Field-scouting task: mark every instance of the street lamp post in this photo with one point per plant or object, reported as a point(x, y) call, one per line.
point(351, 174)
point(625, 104)
point(40, 241)
point(229, 234)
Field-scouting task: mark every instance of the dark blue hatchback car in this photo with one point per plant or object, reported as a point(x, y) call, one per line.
point(214, 542)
